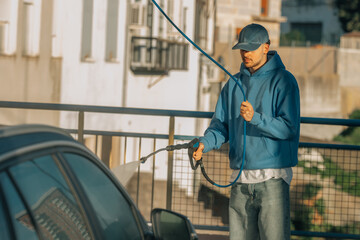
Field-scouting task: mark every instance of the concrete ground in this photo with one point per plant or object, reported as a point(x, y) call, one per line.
point(212, 237)
point(215, 235)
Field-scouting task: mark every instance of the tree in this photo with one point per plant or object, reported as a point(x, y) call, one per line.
point(350, 135)
point(349, 14)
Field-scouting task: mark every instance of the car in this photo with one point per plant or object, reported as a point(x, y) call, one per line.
point(54, 187)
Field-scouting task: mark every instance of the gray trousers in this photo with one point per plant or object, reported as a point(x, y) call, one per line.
point(260, 211)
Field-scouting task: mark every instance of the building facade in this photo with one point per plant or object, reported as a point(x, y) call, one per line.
point(316, 21)
point(109, 53)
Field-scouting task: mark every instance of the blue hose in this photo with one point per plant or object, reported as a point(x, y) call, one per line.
point(226, 71)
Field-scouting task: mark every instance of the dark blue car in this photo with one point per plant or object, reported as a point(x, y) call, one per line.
point(53, 187)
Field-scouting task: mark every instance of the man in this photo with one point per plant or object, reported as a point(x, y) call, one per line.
point(259, 205)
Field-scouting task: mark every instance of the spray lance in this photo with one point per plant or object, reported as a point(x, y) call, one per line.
point(192, 146)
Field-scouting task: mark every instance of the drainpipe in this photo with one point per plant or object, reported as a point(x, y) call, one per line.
point(126, 54)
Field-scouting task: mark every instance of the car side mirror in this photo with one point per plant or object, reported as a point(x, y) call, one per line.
point(168, 225)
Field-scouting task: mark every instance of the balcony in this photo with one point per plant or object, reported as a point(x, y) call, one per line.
point(154, 56)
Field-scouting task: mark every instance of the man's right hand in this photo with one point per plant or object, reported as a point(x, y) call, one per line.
point(197, 155)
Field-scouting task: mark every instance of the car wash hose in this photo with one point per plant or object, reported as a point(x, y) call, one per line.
point(230, 75)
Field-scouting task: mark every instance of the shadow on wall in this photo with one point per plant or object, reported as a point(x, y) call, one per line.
point(218, 203)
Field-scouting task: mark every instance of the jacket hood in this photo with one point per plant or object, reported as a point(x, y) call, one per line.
point(273, 62)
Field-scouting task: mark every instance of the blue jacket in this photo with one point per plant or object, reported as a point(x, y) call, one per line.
point(272, 136)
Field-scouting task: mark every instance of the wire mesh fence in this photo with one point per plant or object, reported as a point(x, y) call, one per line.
point(324, 192)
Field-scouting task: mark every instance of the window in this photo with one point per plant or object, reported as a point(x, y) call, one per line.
point(57, 28)
point(158, 56)
point(204, 30)
point(264, 7)
point(23, 226)
point(184, 19)
point(4, 32)
point(112, 30)
point(137, 14)
point(8, 26)
point(200, 23)
point(52, 202)
point(161, 19)
point(238, 30)
point(87, 30)
point(31, 27)
point(4, 225)
point(178, 55)
point(312, 31)
point(114, 212)
point(149, 15)
point(170, 10)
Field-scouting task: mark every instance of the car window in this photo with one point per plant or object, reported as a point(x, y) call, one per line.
point(4, 225)
point(53, 205)
point(112, 209)
point(23, 226)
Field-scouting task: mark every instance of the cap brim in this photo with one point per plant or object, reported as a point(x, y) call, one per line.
point(247, 46)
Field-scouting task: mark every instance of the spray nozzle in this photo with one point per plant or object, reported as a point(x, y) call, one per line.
point(143, 159)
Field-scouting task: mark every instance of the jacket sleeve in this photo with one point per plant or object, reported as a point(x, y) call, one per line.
point(217, 132)
point(285, 121)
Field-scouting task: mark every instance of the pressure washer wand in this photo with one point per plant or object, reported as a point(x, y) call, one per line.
point(171, 148)
point(143, 159)
point(191, 147)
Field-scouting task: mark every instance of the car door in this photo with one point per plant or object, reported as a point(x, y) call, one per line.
point(41, 202)
point(66, 193)
point(115, 212)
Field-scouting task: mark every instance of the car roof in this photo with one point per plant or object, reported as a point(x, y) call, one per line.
point(14, 139)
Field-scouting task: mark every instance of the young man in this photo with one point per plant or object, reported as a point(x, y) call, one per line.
point(259, 203)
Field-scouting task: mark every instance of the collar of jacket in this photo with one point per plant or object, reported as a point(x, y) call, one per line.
point(273, 62)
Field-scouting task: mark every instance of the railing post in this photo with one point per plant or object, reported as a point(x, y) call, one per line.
point(153, 177)
point(170, 164)
point(138, 177)
point(81, 127)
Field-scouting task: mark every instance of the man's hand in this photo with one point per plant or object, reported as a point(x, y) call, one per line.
point(197, 155)
point(246, 111)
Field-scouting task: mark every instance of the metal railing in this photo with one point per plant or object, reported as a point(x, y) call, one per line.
point(325, 191)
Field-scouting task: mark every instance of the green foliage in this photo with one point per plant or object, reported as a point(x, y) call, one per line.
point(302, 218)
point(349, 14)
point(347, 181)
point(351, 135)
point(293, 36)
point(311, 190)
point(320, 206)
point(349, 229)
point(355, 114)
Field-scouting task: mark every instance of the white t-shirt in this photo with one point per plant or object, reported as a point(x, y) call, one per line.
point(261, 175)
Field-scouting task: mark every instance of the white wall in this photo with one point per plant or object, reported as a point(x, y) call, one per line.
point(95, 81)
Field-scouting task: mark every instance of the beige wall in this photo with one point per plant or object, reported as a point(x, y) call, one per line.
point(33, 79)
point(316, 72)
point(233, 14)
point(350, 99)
point(349, 71)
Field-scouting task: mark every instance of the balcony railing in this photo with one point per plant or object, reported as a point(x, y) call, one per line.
point(157, 56)
point(325, 191)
